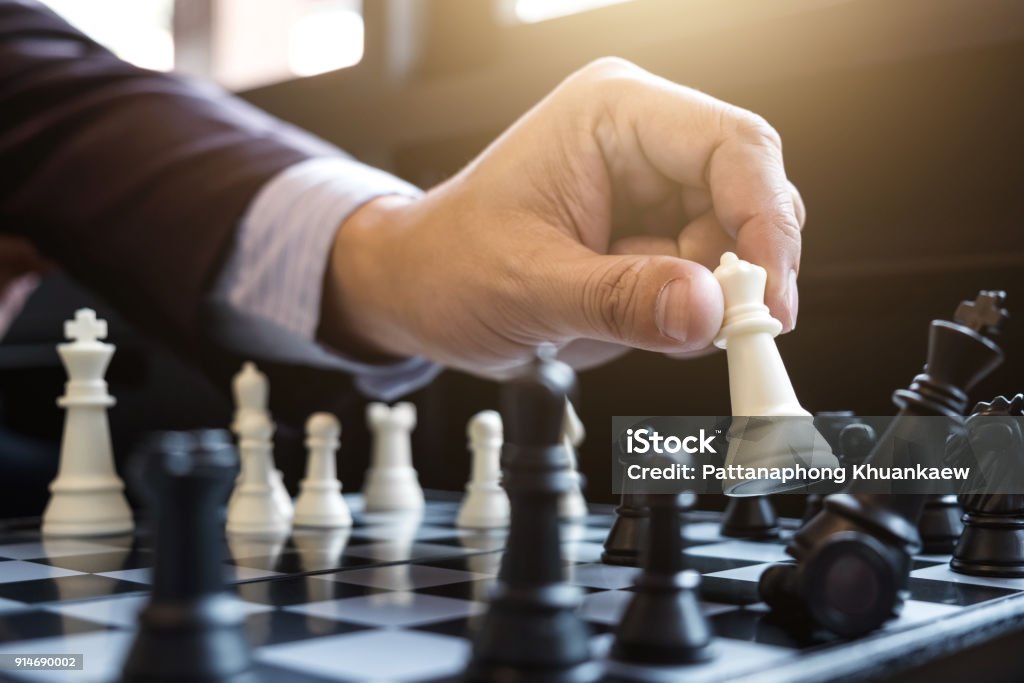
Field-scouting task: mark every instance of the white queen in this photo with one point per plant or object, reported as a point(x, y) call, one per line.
point(760, 388)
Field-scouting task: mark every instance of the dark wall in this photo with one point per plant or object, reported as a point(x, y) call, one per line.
point(902, 127)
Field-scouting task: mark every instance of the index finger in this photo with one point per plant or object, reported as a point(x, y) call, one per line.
point(699, 141)
point(755, 202)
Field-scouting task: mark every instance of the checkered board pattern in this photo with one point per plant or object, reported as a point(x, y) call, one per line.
point(395, 599)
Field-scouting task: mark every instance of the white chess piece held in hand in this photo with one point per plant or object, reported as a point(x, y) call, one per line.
point(770, 428)
point(758, 382)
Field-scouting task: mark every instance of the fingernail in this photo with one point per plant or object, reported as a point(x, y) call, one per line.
point(673, 314)
point(793, 299)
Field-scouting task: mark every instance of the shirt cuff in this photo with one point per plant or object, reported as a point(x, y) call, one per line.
point(266, 301)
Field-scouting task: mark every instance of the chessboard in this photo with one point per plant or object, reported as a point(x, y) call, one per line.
point(394, 598)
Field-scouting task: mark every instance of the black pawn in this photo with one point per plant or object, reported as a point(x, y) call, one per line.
point(628, 533)
point(663, 622)
point(830, 425)
point(625, 540)
point(531, 631)
point(750, 517)
point(992, 543)
point(191, 629)
point(853, 445)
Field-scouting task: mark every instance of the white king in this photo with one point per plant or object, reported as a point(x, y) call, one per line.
point(87, 497)
point(759, 387)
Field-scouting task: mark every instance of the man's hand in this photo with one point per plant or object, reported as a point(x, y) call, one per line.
point(591, 223)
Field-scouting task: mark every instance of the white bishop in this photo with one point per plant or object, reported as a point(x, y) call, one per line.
point(251, 392)
point(253, 508)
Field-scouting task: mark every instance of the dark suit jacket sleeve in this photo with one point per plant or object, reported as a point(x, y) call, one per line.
point(134, 181)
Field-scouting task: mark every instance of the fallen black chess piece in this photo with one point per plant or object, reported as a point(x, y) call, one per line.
point(852, 564)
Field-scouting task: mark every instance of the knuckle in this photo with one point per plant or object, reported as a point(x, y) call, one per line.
point(786, 219)
point(613, 296)
point(787, 229)
point(754, 128)
point(603, 77)
point(608, 67)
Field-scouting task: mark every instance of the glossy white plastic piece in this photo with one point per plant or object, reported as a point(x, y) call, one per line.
point(572, 505)
point(320, 503)
point(254, 508)
point(251, 391)
point(391, 482)
point(485, 505)
point(760, 387)
point(758, 382)
point(87, 496)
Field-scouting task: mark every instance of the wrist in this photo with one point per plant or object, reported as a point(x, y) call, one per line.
point(361, 306)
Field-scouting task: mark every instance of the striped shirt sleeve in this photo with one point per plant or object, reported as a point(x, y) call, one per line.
point(266, 300)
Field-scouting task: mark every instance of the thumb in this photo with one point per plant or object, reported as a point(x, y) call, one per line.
point(658, 303)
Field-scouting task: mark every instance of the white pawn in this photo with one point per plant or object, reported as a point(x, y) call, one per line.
point(87, 496)
point(391, 481)
point(572, 504)
point(251, 391)
point(485, 505)
point(253, 508)
point(320, 503)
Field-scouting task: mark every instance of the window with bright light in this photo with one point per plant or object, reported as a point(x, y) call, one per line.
point(138, 31)
point(325, 39)
point(540, 10)
point(273, 40)
point(242, 44)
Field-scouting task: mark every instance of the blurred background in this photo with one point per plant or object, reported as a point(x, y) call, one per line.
point(902, 126)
